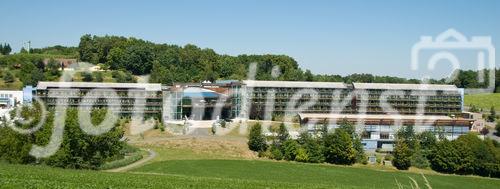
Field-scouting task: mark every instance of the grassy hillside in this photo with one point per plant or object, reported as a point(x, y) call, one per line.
point(308, 174)
point(24, 176)
point(225, 162)
point(227, 174)
point(484, 101)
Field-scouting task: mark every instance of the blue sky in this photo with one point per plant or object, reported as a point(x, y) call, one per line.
point(333, 37)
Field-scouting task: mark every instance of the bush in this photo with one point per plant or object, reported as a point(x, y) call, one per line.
point(497, 128)
point(302, 155)
point(388, 157)
point(122, 162)
point(313, 148)
point(256, 140)
point(290, 148)
point(493, 114)
point(276, 153)
point(402, 156)
point(98, 77)
point(444, 157)
point(87, 77)
point(418, 160)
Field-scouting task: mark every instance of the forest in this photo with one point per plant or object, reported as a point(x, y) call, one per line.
point(168, 63)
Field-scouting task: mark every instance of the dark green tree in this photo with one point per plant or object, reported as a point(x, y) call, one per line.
point(30, 74)
point(53, 67)
point(402, 156)
point(290, 148)
point(497, 128)
point(418, 158)
point(339, 148)
point(256, 140)
point(5, 49)
point(282, 134)
point(493, 114)
point(427, 140)
point(308, 76)
point(312, 147)
point(444, 157)
point(87, 77)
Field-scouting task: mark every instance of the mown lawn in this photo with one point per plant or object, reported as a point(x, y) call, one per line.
point(309, 174)
point(484, 101)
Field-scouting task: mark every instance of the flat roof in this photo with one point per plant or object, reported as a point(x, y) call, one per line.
point(381, 119)
point(294, 84)
point(395, 86)
point(371, 116)
point(142, 86)
point(375, 116)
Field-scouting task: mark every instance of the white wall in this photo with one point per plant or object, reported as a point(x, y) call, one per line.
point(12, 95)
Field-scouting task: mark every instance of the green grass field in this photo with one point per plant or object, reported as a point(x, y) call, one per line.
point(25, 176)
point(228, 174)
point(308, 175)
point(185, 168)
point(484, 101)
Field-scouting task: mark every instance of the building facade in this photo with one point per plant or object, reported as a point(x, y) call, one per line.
point(10, 98)
point(408, 98)
point(125, 99)
point(264, 99)
point(261, 98)
point(379, 131)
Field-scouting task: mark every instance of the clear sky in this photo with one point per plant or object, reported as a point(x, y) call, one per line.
point(334, 37)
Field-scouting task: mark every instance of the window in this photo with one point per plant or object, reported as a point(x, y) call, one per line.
point(384, 135)
point(365, 135)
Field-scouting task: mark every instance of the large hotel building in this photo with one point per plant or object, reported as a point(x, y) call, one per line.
point(378, 108)
point(122, 98)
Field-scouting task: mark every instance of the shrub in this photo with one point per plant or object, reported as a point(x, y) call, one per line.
point(388, 157)
point(444, 157)
point(418, 160)
point(87, 77)
point(122, 162)
point(493, 115)
point(427, 140)
point(282, 135)
point(313, 148)
point(302, 155)
point(497, 128)
point(223, 123)
point(256, 140)
point(290, 148)
point(276, 153)
point(402, 156)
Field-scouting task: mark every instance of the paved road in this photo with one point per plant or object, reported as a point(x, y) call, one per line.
point(152, 154)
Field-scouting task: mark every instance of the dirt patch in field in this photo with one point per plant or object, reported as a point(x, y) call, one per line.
point(209, 147)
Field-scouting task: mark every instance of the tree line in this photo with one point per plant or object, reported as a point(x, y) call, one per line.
point(172, 63)
point(466, 155)
point(5, 49)
point(342, 146)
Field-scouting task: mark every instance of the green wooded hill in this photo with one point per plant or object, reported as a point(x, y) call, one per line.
point(168, 63)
